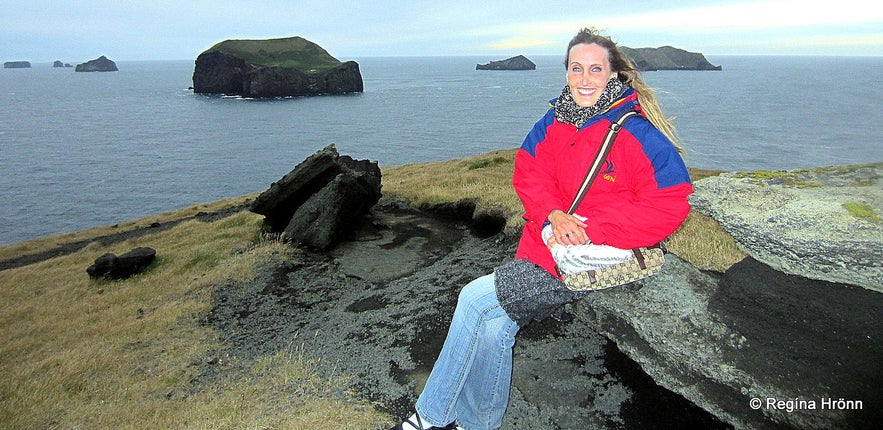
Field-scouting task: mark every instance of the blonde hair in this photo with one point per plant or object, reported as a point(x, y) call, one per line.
point(629, 74)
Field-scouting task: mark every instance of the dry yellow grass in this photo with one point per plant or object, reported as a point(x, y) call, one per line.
point(487, 179)
point(44, 243)
point(78, 353)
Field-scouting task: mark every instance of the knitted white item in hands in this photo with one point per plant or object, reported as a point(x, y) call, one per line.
point(579, 258)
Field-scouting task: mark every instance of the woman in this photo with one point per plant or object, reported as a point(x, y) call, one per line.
point(638, 199)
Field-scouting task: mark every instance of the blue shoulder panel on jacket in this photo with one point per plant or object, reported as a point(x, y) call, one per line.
point(538, 133)
point(668, 166)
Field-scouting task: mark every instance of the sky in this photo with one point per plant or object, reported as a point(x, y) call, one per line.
point(75, 31)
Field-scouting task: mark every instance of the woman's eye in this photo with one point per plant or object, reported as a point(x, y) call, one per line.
point(596, 69)
point(576, 69)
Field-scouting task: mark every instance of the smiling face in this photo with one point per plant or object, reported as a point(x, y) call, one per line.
point(588, 70)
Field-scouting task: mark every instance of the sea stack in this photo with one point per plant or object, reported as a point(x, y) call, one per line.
point(100, 64)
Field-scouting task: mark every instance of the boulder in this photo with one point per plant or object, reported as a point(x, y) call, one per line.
point(100, 64)
point(819, 223)
point(57, 63)
point(667, 58)
point(322, 200)
point(757, 348)
point(17, 65)
point(111, 266)
point(519, 62)
point(273, 68)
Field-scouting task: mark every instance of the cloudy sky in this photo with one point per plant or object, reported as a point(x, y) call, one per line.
point(129, 30)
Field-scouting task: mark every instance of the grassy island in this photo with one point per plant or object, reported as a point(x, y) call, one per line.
point(290, 52)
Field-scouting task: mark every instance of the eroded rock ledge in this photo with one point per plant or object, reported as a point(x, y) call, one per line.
point(817, 223)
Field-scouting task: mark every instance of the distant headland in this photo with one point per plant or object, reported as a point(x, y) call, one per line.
point(286, 67)
point(667, 58)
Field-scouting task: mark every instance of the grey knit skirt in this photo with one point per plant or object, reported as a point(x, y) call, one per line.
point(528, 292)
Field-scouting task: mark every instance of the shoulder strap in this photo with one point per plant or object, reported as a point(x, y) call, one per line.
point(603, 150)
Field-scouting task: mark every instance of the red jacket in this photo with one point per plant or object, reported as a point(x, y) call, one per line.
point(638, 198)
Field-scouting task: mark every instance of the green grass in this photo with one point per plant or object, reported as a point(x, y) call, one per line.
point(291, 52)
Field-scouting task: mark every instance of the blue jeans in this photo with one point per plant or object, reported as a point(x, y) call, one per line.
point(470, 380)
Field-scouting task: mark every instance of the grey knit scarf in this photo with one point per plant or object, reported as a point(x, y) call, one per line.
point(567, 111)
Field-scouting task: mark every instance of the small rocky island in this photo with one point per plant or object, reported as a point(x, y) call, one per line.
point(667, 58)
point(287, 67)
point(58, 63)
point(17, 65)
point(519, 62)
point(100, 64)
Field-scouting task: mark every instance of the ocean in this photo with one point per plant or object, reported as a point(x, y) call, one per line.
point(79, 150)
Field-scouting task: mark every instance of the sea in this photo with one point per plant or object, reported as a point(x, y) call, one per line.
point(79, 150)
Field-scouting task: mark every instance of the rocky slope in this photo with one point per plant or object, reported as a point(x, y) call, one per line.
point(750, 348)
point(753, 347)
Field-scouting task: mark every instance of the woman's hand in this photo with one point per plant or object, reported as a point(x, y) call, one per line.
point(567, 229)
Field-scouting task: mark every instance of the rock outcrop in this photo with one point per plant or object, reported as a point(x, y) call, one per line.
point(514, 63)
point(667, 58)
point(321, 200)
point(273, 68)
point(757, 348)
point(111, 266)
point(57, 63)
point(763, 345)
point(100, 64)
point(17, 65)
point(820, 223)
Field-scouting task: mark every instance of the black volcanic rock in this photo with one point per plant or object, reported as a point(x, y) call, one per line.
point(514, 63)
point(100, 64)
point(273, 68)
point(321, 201)
point(667, 58)
point(111, 266)
point(17, 65)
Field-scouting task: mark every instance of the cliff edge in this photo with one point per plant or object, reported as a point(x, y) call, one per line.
point(286, 67)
